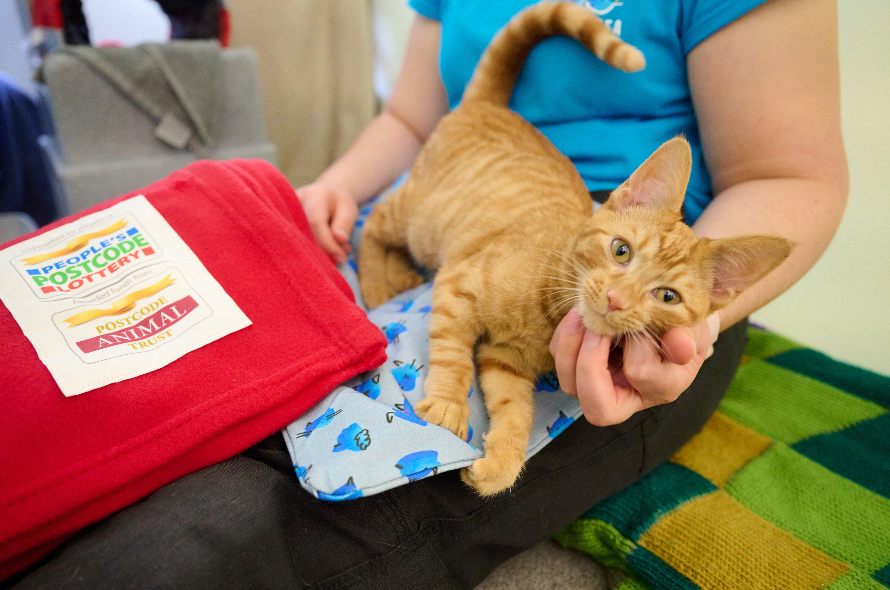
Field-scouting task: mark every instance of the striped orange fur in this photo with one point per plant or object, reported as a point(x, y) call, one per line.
point(509, 223)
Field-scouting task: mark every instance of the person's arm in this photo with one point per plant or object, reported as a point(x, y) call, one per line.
point(385, 148)
point(766, 94)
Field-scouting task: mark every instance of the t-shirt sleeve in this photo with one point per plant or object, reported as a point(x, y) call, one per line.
point(703, 18)
point(427, 8)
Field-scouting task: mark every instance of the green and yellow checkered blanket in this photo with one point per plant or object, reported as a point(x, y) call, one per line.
point(787, 487)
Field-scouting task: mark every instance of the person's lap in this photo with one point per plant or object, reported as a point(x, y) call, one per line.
point(247, 523)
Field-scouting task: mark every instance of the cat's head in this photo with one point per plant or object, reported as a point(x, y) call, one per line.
point(639, 267)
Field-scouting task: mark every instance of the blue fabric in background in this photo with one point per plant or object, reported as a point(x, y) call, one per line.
point(24, 175)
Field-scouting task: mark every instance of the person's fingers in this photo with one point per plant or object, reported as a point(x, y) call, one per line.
point(596, 392)
point(679, 345)
point(660, 380)
point(320, 208)
point(325, 239)
point(564, 347)
point(605, 397)
point(319, 213)
point(344, 215)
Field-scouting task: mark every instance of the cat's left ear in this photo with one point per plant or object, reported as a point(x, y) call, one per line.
point(741, 261)
point(660, 182)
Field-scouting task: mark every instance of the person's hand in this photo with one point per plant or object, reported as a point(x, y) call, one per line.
point(331, 213)
point(612, 389)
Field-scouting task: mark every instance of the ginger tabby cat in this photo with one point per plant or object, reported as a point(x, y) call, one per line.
point(509, 223)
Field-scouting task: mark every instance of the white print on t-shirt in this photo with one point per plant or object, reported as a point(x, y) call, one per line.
point(602, 8)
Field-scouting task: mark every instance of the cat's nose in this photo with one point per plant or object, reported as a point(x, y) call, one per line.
point(615, 302)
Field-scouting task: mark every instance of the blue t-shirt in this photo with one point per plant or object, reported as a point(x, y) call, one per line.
point(606, 121)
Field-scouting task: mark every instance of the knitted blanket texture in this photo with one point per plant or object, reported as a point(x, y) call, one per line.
point(787, 487)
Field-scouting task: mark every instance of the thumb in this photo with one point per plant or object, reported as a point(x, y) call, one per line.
point(343, 221)
point(679, 345)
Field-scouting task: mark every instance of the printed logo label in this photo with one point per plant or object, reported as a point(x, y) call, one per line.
point(113, 295)
point(88, 260)
point(152, 308)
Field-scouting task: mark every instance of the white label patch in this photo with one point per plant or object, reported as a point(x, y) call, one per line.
point(113, 295)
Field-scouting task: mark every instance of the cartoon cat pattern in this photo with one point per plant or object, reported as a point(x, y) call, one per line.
point(364, 437)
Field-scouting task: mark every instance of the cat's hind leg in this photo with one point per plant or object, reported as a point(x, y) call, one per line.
point(508, 389)
point(453, 334)
point(384, 265)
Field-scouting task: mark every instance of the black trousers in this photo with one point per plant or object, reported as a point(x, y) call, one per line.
point(247, 523)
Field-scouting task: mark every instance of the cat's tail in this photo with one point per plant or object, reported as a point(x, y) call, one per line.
point(499, 67)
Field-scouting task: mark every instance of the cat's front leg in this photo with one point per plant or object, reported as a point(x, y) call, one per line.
point(400, 272)
point(508, 389)
point(453, 334)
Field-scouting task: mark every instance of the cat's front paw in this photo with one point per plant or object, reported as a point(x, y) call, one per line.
point(489, 477)
point(446, 413)
point(498, 470)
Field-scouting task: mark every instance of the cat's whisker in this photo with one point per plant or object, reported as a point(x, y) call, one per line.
point(546, 250)
point(647, 333)
point(550, 251)
point(560, 280)
point(572, 277)
point(579, 270)
point(631, 336)
point(565, 286)
point(559, 298)
point(566, 291)
point(562, 293)
point(556, 289)
point(577, 266)
point(574, 299)
point(565, 280)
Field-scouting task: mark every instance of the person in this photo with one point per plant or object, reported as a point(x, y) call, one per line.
point(755, 88)
point(762, 115)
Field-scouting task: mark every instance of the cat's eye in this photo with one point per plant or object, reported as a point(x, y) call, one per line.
point(621, 251)
point(668, 296)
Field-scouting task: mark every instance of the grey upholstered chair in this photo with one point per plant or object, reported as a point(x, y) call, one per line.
point(107, 144)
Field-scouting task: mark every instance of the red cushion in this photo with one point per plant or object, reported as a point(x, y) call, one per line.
point(68, 462)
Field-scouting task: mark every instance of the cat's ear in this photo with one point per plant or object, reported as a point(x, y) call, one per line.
point(660, 182)
point(742, 261)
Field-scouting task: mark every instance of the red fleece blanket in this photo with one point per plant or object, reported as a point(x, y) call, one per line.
point(68, 462)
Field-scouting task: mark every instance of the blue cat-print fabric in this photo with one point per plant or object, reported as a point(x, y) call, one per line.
point(364, 437)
